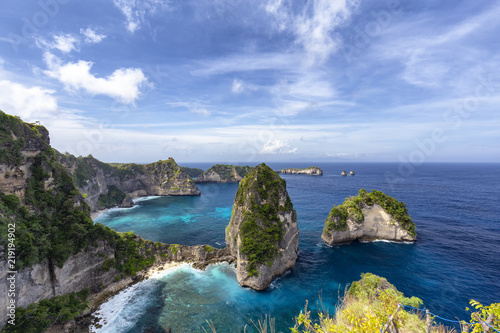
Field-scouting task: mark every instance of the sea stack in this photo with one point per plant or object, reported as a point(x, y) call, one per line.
point(263, 234)
point(368, 217)
point(352, 173)
point(344, 173)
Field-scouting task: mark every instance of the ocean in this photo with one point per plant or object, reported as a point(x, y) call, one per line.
point(456, 208)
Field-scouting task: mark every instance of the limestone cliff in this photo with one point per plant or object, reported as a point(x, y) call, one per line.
point(99, 268)
point(107, 185)
point(313, 171)
point(368, 217)
point(19, 144)
point(221, 173)
point(57, 247)
point(263, 234)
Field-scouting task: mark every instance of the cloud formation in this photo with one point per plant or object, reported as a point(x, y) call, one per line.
point(135, 11)
point(91, 36)
point(123, 84)
point(277, 147)
point(62, 42)
point(237, 86)
point(314, 28)
point(29, 103)
point(196, 106)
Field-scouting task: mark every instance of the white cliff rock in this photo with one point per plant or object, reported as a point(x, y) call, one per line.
point(313, 171)
point(362, 218)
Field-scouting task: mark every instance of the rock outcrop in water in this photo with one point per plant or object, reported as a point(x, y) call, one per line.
point(105, 185)
point(221, 173)
point(368, 217)
point(127, 202)
point(263, 234)
point(313, 171)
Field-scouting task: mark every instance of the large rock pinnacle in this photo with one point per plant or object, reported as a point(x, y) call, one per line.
point(263, 234)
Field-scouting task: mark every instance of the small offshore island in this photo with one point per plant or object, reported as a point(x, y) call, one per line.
point(368, 217)
point(313, 171)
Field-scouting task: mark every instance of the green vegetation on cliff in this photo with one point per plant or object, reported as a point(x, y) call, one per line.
point(261, 230)
point(192, 172)
point(352, 207)
point(52, 221)
point(114, 197)
point(131, 254)
point(37, 317)
point(14, 135)
point(227, 173)
point(366, 307)
point(368, 304)
point(107, 184)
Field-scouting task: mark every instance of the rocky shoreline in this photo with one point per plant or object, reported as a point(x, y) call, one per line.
point(81, 324)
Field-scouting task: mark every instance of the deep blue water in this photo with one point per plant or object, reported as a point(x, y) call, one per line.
point(456, 208)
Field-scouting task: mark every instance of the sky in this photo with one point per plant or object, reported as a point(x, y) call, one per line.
point(250, 81)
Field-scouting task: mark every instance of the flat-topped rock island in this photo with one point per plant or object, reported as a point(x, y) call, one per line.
point(313, 171)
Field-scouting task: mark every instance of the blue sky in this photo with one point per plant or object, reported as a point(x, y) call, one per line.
point(251, 81)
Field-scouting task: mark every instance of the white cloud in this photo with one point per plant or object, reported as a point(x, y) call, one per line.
point(349, 155)
point(201, 111)
point(430, 58)
point(196, 106)
point(123, 84)
point(135, 11)
point(91, 36)
point(248, 62)
point(277, 147)
point(315, 32)
point(314, 28)
point(29, 103)
point(63, 42)
point(237, 86)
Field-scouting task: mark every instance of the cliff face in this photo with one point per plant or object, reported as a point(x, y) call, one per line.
point(220, 173)
point(57, 247)
point(102, 182)
point(19, 144)
point(46, 280)
point(313, 171)
point(263, 234)
point(368, 217)
point(95, 268)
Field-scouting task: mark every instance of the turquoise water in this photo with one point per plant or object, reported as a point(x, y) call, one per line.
point(455, 259)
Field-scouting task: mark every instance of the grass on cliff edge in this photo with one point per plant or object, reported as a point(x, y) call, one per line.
point(337, 218)
point(367, 306)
